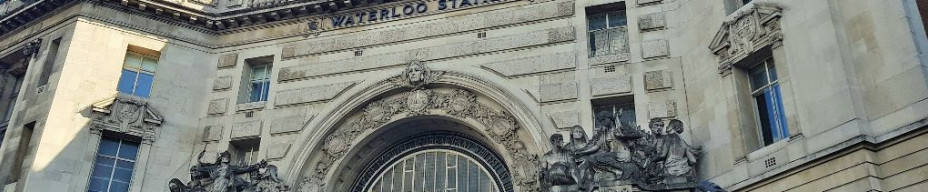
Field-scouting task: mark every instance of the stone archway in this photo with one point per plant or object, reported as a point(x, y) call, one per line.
point(421, 92)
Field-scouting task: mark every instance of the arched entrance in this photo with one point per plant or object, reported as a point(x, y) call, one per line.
point(435, 161)
point(379, 116)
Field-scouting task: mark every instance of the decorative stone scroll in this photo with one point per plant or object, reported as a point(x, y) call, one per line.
point(750, 30)
point(619, 157)
point(500, 126)
point(126, 115)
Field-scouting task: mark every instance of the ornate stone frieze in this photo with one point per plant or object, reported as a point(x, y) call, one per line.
point(499, 126)
point(748, 31)
point(126, 115)
point(619, 157)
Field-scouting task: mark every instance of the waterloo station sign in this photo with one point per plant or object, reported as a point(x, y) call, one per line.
point(394, 12)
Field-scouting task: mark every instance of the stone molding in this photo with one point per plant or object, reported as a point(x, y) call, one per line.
point(748, 31)
point(127, 115)
point(504, 129)
point(533, 65)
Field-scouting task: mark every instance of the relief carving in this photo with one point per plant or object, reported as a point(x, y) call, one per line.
point(126, 115)
point(421, 100)
point(750, 30)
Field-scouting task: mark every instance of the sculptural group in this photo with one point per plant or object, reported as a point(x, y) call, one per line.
point(223, 176)
point(619, 154)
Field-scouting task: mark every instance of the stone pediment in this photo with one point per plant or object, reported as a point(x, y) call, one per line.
point(128, 115)
point(750, 29)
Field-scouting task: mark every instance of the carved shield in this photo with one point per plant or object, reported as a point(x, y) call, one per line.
point(128, 113)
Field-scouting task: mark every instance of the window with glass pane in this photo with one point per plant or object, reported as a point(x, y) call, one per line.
point(245, 151)
point(435, 170)
point(12, 100)
point(260, 83)
point(608, 33)
point(112, 169)
point(768, 101)
point(621, 111)
point(138, 73)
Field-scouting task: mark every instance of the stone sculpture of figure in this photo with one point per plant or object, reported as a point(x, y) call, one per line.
point(678, 157)
point(267, 180)
point(223, 173)
point(175, 185)
point(577, 139)
point(560, 166)
point(609, 155)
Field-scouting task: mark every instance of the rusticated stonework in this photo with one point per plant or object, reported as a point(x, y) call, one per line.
point(126, 115)
point(499, 126)
point(747, 32)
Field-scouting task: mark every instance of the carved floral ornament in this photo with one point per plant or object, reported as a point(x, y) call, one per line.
point(748, 31)
point(499, 126)
point(126, 115)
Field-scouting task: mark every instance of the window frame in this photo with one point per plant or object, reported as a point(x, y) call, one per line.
point(779, 113)
point(138, 71)
point(606, 10)
point(265, 82)
point(115, 159)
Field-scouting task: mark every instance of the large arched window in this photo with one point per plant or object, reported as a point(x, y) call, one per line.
point(435, 170)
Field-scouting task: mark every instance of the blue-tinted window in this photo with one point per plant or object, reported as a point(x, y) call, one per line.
point(765, 88)
point(138, 74)
point(260, 83)
point(113, 166)
point(608, 33)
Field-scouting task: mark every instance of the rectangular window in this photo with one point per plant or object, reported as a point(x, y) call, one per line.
point(11, 104)
point(113, 166)
point(620, 109)
point(608, 31)
point(260, 83)
point(138, 73)
point(256, 79)
point(25, 139)
point(245, 151)
point(765, 90)
point(49, 62)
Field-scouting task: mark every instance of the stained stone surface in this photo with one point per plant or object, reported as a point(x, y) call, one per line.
point(212, 133)
point(222, 83)
point(525, 40)
point(287, 124)
point(565, 119)
point(227, 60)
point(654, 48)
point(651, 21)
point(654, 80)
point(310, 94)
point(662, 109)
point(218, 106)
point(246, 129)
point(278, 149)
point(557, 91)
point(611, 85)
point(536, 64)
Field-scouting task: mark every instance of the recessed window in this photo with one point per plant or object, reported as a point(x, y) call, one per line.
point(765, 90)
point(138, 73)
point(607, 28)
point(245, 151)
point(11, 100)
point(49, 63)
point(113, 166)
point(256, 79)
point(435, 170)
point(617, 109)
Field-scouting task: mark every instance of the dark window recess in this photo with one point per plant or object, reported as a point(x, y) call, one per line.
point(49, 64)
point(482, 35)
point(25, 139)
point(607, 29)
point(358, 52)
point(617, 109)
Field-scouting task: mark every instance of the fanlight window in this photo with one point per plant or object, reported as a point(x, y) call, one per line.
point(435, 170)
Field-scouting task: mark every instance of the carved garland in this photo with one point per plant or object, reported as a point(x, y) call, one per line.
point(500, 126)
point(749, 31)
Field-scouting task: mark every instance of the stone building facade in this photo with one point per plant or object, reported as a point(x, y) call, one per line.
point(360, 95)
